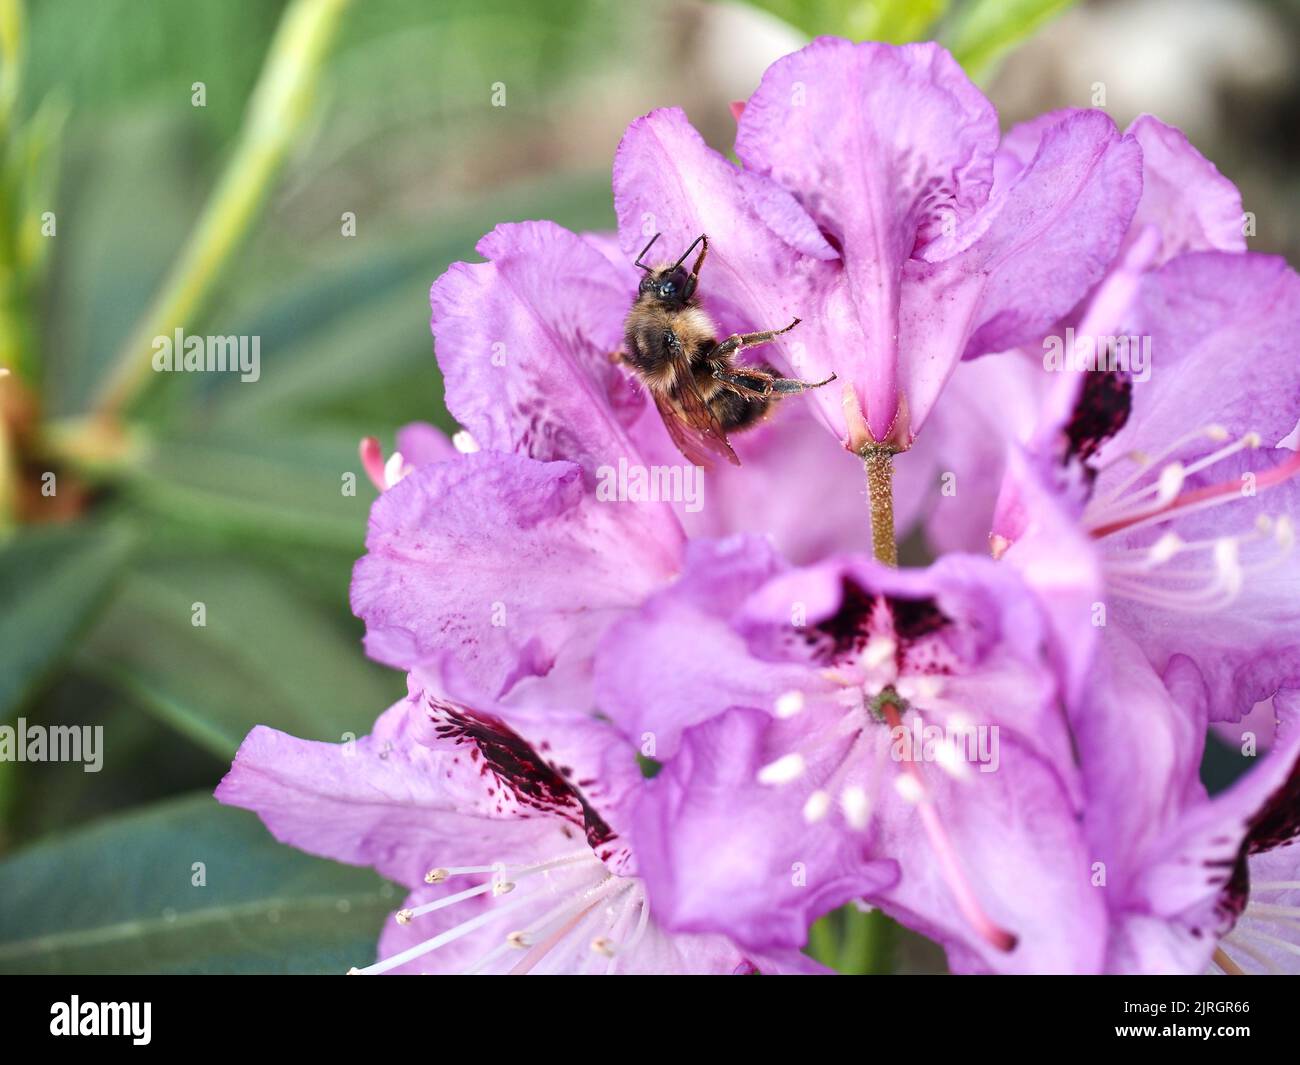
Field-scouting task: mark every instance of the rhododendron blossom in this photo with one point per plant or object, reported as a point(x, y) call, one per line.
point(667, 728)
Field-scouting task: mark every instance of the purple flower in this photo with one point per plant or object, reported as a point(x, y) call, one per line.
point(909, 712)
point(871, 207)
point(1186, 879)
point(1174, 512)
point(509, 847)
point(507, 556)
point(1186, 205)
point(966, 746)
point(1155, 494)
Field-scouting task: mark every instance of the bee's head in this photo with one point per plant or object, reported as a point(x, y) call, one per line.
point(672, 285)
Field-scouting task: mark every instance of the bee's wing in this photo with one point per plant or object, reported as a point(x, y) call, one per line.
point(693, 426)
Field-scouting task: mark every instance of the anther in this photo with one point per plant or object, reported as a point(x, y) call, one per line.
point(1170, 482)
point(785, 769)
point(1165, 548)
point(856, 807)
point(817, 806)
point(395, 469)
point(789, 704)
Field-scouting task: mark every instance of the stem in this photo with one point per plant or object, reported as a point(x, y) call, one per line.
point(821, 941)
point(879, 461)
point(276, 115)
point(12, 41)
point(868, 948)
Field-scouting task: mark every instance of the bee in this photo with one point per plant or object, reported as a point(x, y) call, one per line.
point(701, 392)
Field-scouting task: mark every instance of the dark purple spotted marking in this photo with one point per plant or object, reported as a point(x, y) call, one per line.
point(1275, 824)
point(915, 618)
point(1100, 412)
point(847, 631)
point(1233, 895)
point(520, 772)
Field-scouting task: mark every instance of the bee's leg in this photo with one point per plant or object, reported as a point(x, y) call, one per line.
point(751, 384)
point(786, 386)
point(737, 341)
point(760, 384)
point(618, 358)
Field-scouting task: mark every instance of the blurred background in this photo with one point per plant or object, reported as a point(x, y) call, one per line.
point(196, 164)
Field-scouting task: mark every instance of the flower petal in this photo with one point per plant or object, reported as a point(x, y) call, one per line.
point(1016, 834)
point(655, 952)
point(506, 562)
point(1042, 243)
point(793, 468)
point(883, 147)
point(1192, 878)
point(524, 343)
point(721, 852)
point(1249, 646)
point(383, 800)
point(1184, 196)
point(1141, 738)
point(421, 444)
point(1204, 311)
point(538, 726)
point(678, 661)
point(1038, 516)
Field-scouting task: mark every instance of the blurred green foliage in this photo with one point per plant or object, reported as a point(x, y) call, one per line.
point(185, 886)
point(977, 32)
point(231, 494)
point(895, 21)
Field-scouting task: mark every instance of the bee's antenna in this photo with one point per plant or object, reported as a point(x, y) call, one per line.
point(694, 245)
point(643, 251)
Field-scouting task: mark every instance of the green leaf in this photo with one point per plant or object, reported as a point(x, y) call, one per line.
point(894, 21)
point(265, 484)
point(264, 655)
point(138, 763)
point(121, 201)
point(983, 31)
point(345, 342)
point(113, 52)
point(120, 897)
point(54, 581)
